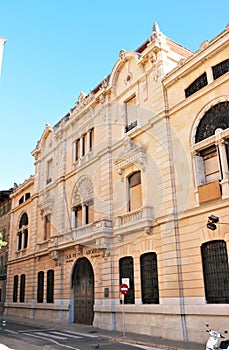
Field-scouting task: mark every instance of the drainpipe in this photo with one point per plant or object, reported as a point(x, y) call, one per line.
point(175, 219)
point(113, 313)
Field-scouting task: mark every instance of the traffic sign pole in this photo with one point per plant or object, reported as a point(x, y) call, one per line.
point(124, 289)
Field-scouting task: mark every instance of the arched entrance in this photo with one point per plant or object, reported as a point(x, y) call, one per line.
point(83, 291)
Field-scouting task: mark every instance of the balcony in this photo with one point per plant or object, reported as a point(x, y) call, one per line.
point(98, 232)
point(140, 219)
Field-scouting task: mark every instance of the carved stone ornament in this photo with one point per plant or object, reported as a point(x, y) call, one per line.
point(133, 154)
point(128, 78)
point(46, 204)
point(105, 82)
point(122, 54)
point(83, 190)
point(82, 100)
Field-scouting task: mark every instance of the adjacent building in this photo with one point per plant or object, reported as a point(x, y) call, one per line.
point(5, 207)
point(123, 187)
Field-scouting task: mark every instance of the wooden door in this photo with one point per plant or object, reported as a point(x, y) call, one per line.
point(83, 286)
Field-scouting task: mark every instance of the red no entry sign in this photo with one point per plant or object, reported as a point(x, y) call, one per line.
point(124, 288)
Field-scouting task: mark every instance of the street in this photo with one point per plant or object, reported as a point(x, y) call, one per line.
point(18, 337)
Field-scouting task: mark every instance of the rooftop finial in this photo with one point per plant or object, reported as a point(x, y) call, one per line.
point(156, 28)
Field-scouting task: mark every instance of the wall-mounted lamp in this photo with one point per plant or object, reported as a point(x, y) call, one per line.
point(212, 220)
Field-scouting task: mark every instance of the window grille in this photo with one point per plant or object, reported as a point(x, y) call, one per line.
point(216, 272)
point(22, 289)
point(149, 278)
point(216, 117)
point(126, 270)
point(15, 289)
point(220, 69)
point(40, 287)
point(197, 84)
point(50, 286)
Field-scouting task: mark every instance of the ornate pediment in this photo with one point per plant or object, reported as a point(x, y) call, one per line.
point(133, 153)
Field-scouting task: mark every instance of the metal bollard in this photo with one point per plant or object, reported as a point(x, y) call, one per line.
point(3, 325)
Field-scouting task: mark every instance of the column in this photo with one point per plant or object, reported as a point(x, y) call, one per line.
point(224, 168)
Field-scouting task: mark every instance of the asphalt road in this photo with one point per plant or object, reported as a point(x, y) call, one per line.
point(24, 337)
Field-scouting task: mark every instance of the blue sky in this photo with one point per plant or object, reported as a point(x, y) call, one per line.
point(57, 48)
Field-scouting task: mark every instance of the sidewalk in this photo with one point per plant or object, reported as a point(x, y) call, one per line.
point(134, 338)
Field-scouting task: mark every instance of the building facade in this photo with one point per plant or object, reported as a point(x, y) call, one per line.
point(5, 207)
point(123, 187)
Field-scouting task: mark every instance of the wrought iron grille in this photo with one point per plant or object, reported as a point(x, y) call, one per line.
point(220, 69)
point(216, 272)
point(149, 278)
point(50, 286)
point(22, 288)
point(126, 270)
point(15, 289)
point(196, 85)
point(40, 287)
point(216, 117)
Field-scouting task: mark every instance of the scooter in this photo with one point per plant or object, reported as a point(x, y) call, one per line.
point(214, 341)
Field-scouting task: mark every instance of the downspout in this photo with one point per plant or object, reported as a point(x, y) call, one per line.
point(175, 219)
point(110, 180)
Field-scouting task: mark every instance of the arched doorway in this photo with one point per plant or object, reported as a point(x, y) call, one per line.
point(83, 291)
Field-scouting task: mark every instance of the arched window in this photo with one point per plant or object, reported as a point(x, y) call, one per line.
point(216, 271)
point(134, 191)
point(22, 235)
point(83, 202)
point(149, 278)
point(126, 271)
point(212, 153)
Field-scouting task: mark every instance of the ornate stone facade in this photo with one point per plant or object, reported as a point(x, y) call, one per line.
point(115, 197)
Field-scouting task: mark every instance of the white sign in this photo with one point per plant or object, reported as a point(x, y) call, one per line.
point(126, 281)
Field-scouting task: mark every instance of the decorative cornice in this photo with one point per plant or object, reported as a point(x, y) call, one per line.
point(133, 153)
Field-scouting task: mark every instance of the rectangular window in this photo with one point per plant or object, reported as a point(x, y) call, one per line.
point(19, 240)
point(131, 113)
point(78, 216)
point(4, 234)
point(83, 145)
point(76, 150)
point(91, 139)
point(211, 164)
point(196, 85)
point(50, 286)
point(89, 213)
point(135, 191)
point(216, 271)
point(149, 278)
point(15, 289)
point(47, 226)
point(220, 69)
point(40, 287)
point(126, 270)
point(49, 171)
point(25, 233)
point(22, 289)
